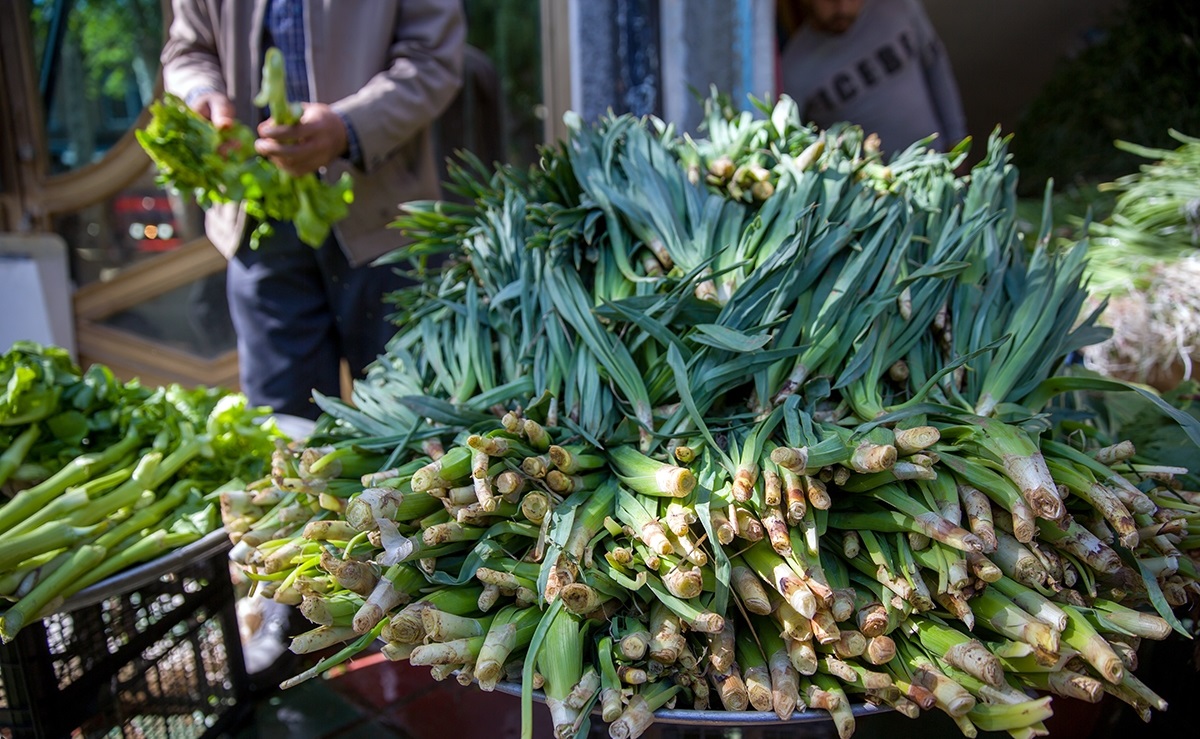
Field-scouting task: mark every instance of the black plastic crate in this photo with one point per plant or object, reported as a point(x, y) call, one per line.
point(154, 652)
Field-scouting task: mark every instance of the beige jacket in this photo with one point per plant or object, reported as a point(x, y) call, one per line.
point(389, 66)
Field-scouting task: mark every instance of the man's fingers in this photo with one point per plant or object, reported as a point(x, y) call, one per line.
point(306, 146)
point(268, 130)
point(203, 107)
point(216, 108)
point(279, 148)
point(222, 114)
point(296, 158)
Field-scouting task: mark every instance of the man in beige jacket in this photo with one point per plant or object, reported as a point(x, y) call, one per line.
point(373, 75)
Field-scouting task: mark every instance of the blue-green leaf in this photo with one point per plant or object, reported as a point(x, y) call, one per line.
point(720, 337)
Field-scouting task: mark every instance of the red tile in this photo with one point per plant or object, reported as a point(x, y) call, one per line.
point(375, 683)
point(451, 710)
point(1075, 719)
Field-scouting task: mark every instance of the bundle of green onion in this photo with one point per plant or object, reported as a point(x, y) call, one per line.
point(1155, 218)
point(648, 443)
point(1144, 260)
point(100, 475)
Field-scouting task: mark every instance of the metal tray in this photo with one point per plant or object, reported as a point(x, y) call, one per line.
point(689, 717)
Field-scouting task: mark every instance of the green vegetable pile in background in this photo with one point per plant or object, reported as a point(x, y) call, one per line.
point(1142, 230)
point(1139, 51)
point(192, 156)
point(748, 421)
point(99, 475)
point(1155, 218)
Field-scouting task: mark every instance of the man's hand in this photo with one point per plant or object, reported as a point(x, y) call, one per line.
point(215, 107)
point(318, 139)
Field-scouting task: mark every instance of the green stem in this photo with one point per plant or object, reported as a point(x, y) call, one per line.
point(120, 558)
point(46, 538)
point(83, 467)
point(341, 656)
point(17, 451)
point(152, 471)
point(69, 501)
point(26, 609)
point(146, 517)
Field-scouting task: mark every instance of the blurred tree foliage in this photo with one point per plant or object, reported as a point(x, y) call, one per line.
point(103, 31)
point(1139, 80)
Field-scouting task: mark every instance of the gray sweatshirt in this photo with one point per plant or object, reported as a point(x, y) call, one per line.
point(889, 73)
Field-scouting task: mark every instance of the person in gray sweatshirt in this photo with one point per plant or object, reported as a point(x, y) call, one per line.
point(878, 64)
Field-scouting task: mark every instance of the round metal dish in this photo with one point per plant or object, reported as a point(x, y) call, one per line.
point(136, 577)
point(689, 717)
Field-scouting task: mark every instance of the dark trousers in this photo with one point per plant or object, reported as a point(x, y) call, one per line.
point(298, 312)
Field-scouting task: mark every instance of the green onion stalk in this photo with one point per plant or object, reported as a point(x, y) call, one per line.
point(78, 470)
point(560, 661)
point(639, 712)
point(785, 678)
point(593, 508)
point(17, 450)
point(611, 704)
point(73, 499)
point(503, 637)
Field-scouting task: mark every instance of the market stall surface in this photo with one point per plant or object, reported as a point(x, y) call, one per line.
point(372, 697)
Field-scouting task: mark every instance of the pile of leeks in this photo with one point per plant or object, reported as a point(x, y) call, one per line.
point(755, 421)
